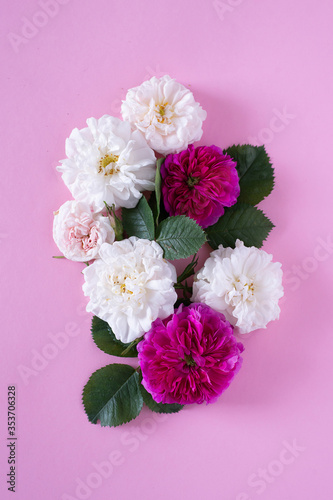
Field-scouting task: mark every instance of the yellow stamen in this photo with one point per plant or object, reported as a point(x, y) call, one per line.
point(162, 109)
point(105, 161)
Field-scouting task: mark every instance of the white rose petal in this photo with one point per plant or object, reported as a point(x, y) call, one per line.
point(243, 284)
point(166, 113)
point(106, 161)
point(130, 286)
point(79, 233)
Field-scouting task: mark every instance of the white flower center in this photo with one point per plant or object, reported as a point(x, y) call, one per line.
point(127, 284)
point(84, 235)
point(108, 164)
point(163, 113)
point(242, 290)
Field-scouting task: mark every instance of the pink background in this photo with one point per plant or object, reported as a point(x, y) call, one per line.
point(248, 63)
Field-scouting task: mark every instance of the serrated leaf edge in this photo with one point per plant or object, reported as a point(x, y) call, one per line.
point(165, 222)
point(121, 344)
point(246, 205)
point(144, 390)
point(225, 151)
point(139, 210)
point(83, 394)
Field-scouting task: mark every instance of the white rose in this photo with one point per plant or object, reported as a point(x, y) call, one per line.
point(243, 284)
point(130, 286)
point(79, 233)
point(166, 113)
point(106, 161)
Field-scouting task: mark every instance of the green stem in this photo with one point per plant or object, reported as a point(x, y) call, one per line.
point(189, 270)
point(187, 290)
point(129, 347)
point(179, 286)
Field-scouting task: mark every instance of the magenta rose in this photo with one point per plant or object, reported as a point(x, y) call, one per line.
point(189, 357)
point(199, 182)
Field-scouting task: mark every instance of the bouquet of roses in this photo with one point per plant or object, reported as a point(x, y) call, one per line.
point(182, 334)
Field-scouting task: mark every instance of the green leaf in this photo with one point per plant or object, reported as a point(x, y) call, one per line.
point(105, 339)
point(152, 205)
point(158, 407)
point(256, 174)
point(180, 237)
point(112, 395)
point(155, 200)
point(243, 222)
point(158, 182)
point(139, 221)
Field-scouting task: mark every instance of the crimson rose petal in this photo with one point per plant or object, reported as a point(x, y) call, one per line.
point(199, 182)
point(189, 357)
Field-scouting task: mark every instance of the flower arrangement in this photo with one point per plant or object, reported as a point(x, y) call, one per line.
point(131, 216)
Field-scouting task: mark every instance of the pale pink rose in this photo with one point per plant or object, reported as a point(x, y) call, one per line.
point(79, 233)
